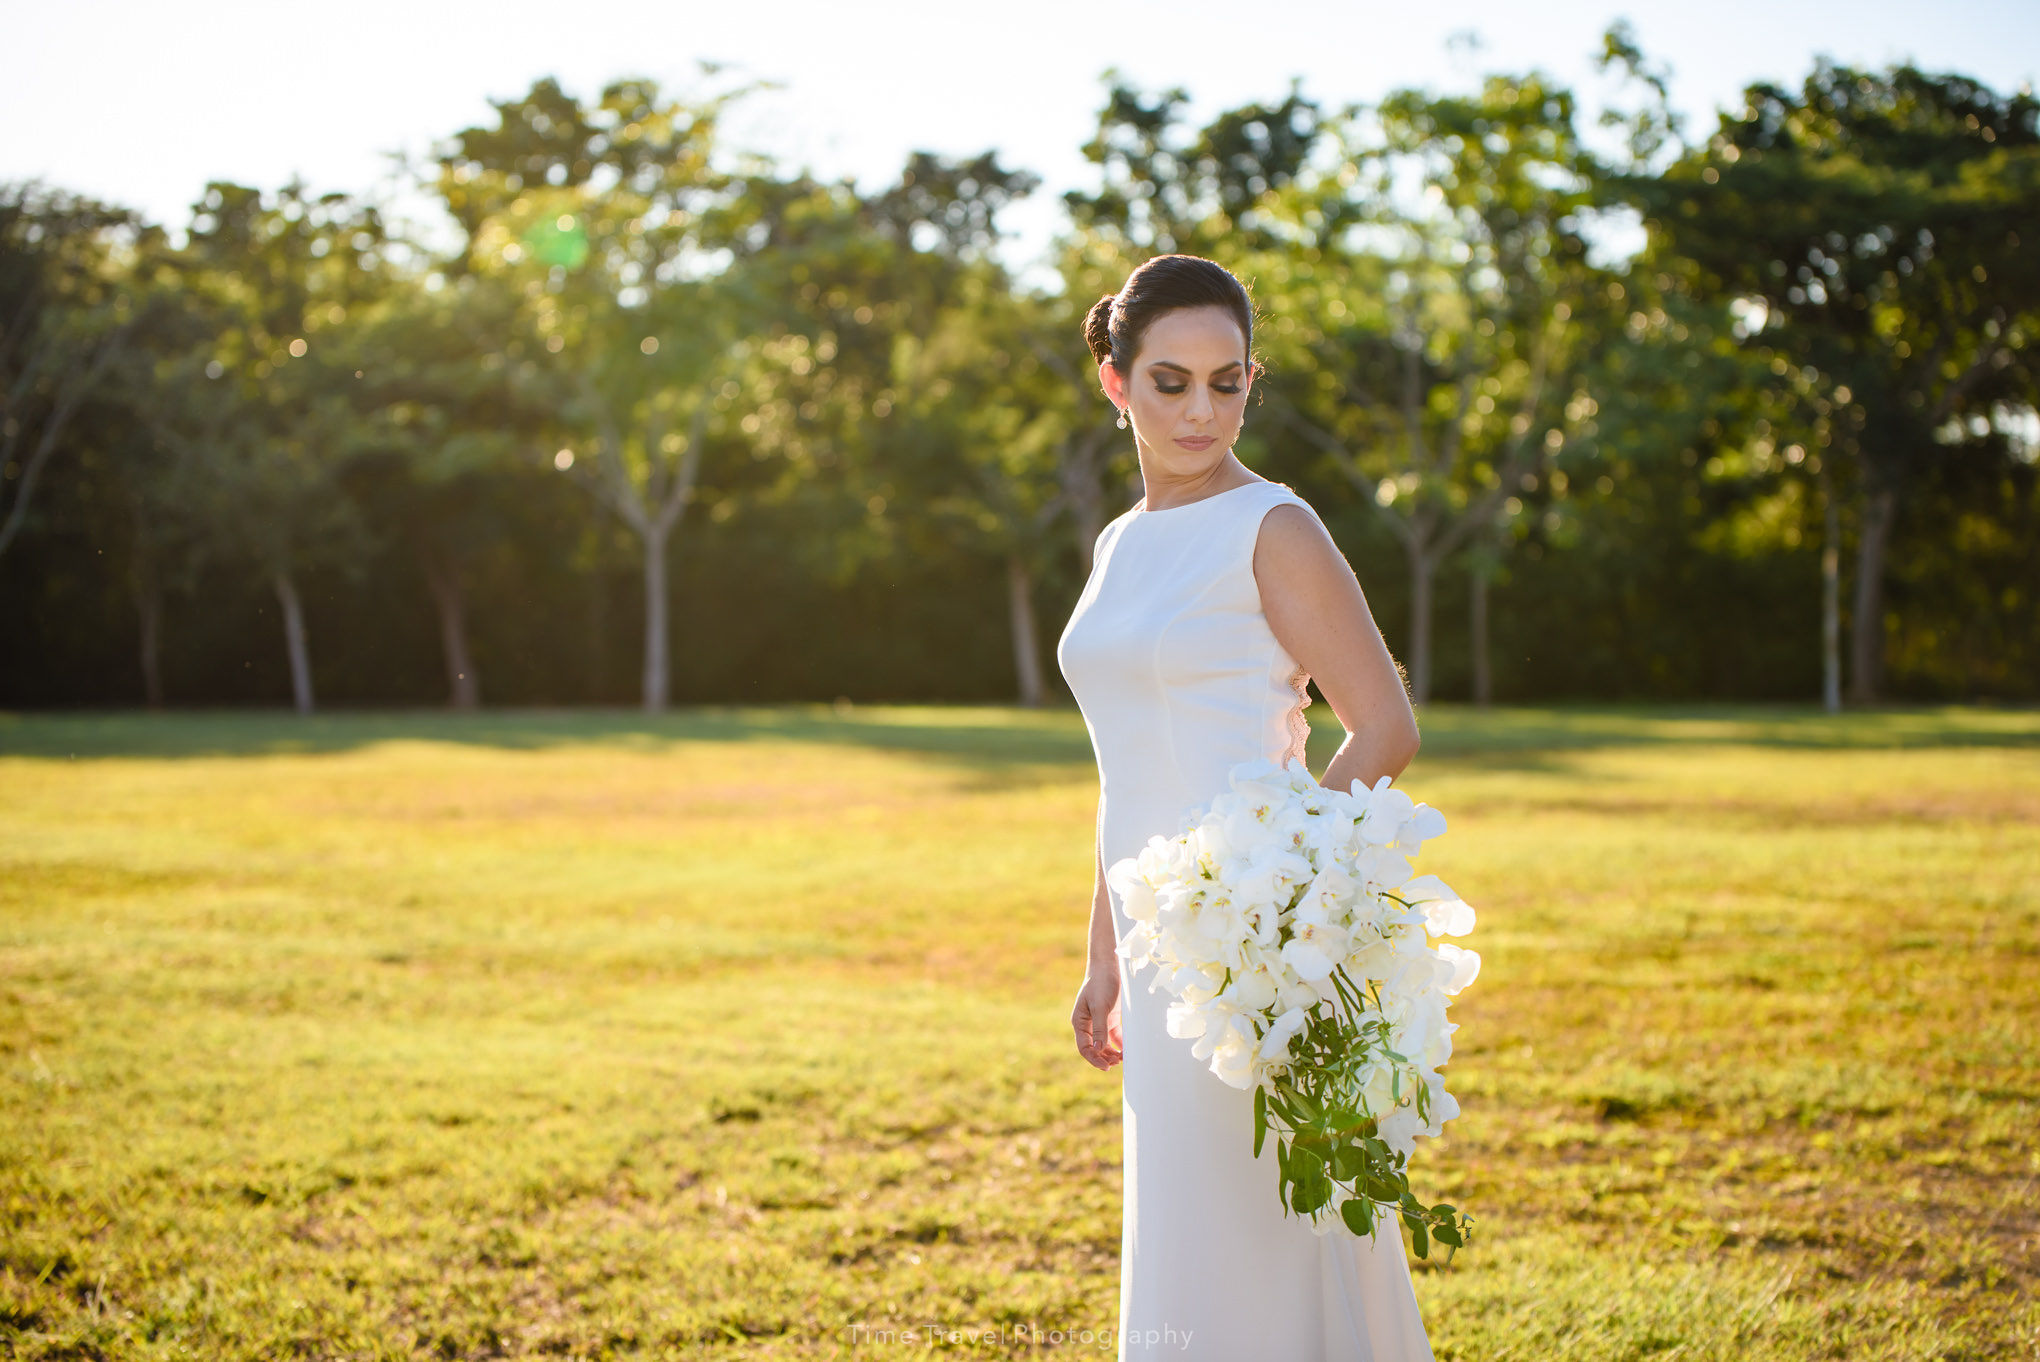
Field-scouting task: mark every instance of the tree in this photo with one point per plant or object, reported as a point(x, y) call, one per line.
point(1440, 341)
point(1869, 230)
point(611, 216)
point(259, 415)
point(1164, 189)
point(63, 323)
point(442, 389)
point(891, 405)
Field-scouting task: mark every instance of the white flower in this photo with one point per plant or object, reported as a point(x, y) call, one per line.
point(1138, 945)
point(1444, 1106)
point(1187, 1019)
point(1449, 917)
point(1272, 877)
point(1275, 1045)
point(1278, 856)
point(1232, 1055)
point(1399, 1130)
point(1315, 950)
point(1382, 868)
point(1293, 994)
point(1444, 912)
point(1465, 966)
point(1327, 896)
point(1260, 780)
point(1386, 810)
point(1136, 895)
point(1162, 859)
point(1378, 1088)
point(1370, 960)
point(1252, 990)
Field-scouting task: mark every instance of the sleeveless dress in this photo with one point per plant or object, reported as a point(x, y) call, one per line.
point(1180, 679)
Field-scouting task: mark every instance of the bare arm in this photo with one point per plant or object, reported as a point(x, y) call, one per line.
point(1318, 613)
point(1095, 1017)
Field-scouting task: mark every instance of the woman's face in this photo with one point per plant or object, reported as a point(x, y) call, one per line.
point(1186, 392)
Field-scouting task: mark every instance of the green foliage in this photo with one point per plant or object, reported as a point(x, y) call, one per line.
point(1326, 1144)
point(661, 395)
point(1866, 233)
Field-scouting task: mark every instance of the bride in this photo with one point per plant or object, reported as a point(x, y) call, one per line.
point(1210, 606)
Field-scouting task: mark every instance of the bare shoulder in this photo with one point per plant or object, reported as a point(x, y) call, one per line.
point(1293, 546)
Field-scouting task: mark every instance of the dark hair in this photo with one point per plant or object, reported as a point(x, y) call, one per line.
point(1117, 321)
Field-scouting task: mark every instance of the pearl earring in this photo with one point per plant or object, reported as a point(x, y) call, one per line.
point(1122, 418)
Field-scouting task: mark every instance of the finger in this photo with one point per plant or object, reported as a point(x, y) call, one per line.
point(1086, 1047)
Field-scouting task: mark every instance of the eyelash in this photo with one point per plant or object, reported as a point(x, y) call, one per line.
point(1173, 391)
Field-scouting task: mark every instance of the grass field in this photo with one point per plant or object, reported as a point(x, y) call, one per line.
point(744, 1034)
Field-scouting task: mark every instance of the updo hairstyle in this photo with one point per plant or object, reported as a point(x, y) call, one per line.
point(1117, 321)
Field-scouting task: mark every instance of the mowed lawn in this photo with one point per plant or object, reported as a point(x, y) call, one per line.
point(744, 1034)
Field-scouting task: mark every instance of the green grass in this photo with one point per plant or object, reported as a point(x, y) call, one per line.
point(587, 1035)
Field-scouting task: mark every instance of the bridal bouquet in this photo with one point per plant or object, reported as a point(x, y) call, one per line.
point(1298, 947)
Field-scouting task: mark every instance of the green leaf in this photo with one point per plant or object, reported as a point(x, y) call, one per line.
point(1303, 1104)
point(1358, 1213)
point(1312, 1192)
point(1260, 1119)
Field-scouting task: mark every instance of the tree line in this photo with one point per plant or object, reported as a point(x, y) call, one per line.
point(658, 419)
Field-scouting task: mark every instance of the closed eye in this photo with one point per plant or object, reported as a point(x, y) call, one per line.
point(1215, 388)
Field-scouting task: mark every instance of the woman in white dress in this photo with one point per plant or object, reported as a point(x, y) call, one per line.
point(1209, 606)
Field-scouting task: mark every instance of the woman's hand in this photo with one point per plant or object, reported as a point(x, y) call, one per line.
point(1095, 1019)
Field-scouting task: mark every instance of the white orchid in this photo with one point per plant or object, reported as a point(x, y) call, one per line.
point(1315, 950)
point(1282, 903)
point(1275, 1045)
point(1465, 967)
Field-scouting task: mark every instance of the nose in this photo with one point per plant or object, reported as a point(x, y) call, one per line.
point(1200, 409)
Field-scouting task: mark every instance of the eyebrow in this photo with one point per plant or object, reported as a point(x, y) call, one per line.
point(1169, 364)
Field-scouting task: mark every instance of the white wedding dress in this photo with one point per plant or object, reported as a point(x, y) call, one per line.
point(1180, 679)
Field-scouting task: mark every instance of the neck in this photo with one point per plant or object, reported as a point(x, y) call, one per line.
point(1161, 490)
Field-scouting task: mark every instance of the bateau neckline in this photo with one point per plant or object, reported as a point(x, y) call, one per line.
point(1142, 509)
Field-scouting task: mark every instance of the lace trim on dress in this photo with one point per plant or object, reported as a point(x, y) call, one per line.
point(1299, 727)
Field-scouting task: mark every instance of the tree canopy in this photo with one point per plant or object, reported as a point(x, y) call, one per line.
point(661, 420)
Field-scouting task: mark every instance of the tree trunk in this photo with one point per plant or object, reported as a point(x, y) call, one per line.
point(656, 683)
point(294, 641)
point(1866, 661)
point(1026, 644)
point(149, 606)
point(1421, 568)
point(148, 598)
point(1830, 599)
point(68, 398)
point(463, 686)
point(1477, 613)
point(1089, 522)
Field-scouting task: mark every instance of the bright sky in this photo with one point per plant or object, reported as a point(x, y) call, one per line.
point(141, 102)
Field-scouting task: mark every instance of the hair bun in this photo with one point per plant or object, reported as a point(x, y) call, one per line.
point(1117, 323)
point(1098, 328)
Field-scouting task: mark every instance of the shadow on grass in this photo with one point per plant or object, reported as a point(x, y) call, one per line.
point(986, 737)
point(981, 736)
point(1463, 731)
